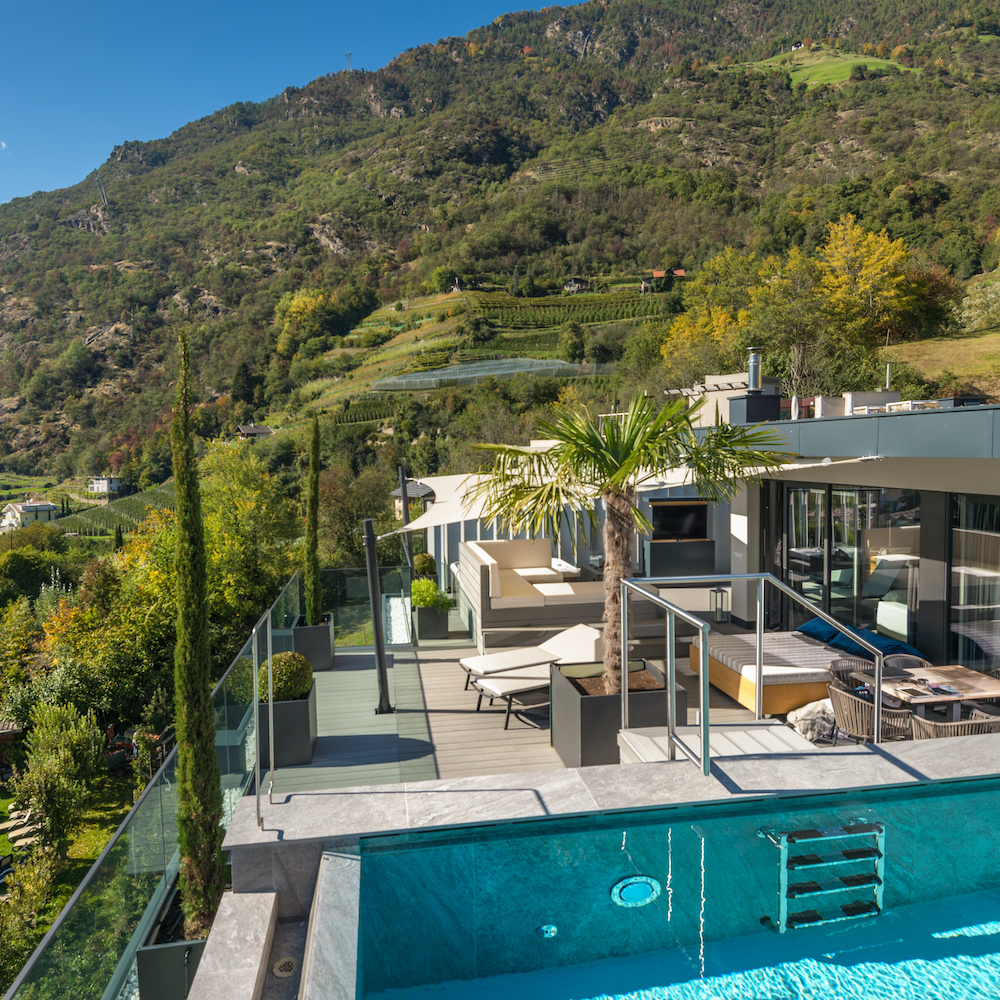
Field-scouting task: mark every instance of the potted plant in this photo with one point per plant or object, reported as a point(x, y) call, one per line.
point(430, 609)
point(294, 711)
point(585, 721)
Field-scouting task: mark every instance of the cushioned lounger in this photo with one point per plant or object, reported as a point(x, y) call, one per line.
point(796, 668)
point(579, 644)
point(511, 685)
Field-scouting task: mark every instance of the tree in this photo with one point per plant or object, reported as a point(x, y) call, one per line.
point(63, 748)
point(314, 589)
point(242, 389)
point(593, 459)
point(199, 793)
point(865, 281)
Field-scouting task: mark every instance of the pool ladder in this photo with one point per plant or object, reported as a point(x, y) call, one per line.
point(821, 852)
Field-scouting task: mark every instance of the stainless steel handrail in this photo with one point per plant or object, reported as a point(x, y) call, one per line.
point(641, 585)
point(673, 612)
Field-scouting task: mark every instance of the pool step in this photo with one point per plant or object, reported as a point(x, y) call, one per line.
point(827, 853)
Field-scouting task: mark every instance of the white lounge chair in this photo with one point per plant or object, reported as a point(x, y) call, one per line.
point(512, 684)
point(579, 644)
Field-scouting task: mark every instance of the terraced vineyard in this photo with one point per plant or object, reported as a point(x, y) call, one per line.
point(129, 512)
point(533, 314)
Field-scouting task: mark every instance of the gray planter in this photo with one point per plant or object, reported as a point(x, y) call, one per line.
point(585, 726)
point(294, 732)
point(166, 971)
point(314, 642)
point(431, 624)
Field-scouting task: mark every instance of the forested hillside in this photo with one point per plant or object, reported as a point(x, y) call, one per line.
point(602, 141)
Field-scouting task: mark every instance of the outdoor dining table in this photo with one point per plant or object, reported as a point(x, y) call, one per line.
point(914, 692)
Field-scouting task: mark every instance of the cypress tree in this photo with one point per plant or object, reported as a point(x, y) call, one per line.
point(119, 539)
point(199, 795)
point(314, 591)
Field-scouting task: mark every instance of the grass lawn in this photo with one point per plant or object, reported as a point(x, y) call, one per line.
point(821, 64)
point(973, 357)
point(111, 801)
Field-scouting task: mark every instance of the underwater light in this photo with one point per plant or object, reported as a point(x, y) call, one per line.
point(635, 891)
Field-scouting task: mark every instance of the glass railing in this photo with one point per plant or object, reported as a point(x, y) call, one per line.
point(90, 950)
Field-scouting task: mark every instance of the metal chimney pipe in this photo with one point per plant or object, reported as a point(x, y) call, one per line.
point(754, 380)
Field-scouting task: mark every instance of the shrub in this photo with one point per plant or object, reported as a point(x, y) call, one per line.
point(292, 677)
point(424, 564)
point(426, 594)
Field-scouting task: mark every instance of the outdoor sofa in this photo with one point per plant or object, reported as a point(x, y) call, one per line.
point(505, 586)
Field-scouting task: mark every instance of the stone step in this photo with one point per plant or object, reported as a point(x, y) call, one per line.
point(233, 965)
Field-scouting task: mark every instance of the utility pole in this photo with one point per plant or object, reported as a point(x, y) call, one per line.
point(350, 68)
point(407, 537)
point(378, 637)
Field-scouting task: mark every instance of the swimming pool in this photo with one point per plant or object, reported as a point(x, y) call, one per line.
point(526, 909)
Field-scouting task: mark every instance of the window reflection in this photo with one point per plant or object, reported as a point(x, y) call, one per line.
point(975, 582)
point(873, 571)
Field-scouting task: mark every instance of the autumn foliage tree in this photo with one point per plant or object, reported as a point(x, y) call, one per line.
point(822, 318)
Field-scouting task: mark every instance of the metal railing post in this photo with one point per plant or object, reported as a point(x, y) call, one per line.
point(624, 637)
point(270, 711)
point(671, 685)
point(878, 698)
point(706, 762)
point(759, 675)
point(256, 717)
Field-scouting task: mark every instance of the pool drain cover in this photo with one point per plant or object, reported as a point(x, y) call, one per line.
point(285, 967)
point(635, 891)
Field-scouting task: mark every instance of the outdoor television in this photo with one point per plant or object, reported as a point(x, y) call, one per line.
point(680, 521)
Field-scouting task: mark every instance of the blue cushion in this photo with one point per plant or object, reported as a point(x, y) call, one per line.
point(816, 628)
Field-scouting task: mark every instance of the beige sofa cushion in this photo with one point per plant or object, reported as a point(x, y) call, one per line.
point(516, 593)
point(569, 592)
point(518, 553)
point(539, 574)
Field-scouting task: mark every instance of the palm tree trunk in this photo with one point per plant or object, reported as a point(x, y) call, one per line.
point(619, 534)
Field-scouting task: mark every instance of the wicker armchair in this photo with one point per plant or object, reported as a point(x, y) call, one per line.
point(841, 670)
point(977, 724)
point(903, 661)
point(856, 716)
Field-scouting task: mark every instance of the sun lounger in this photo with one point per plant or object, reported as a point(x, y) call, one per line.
point(579, 644)
point(511, 685)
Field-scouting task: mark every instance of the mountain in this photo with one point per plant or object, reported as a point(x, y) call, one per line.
point(606, 139)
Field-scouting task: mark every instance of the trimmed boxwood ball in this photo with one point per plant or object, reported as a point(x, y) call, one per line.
point(425, 594)
point(424, 564)
point(293, 677)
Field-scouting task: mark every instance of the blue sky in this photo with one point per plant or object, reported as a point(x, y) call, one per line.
point(79, 78)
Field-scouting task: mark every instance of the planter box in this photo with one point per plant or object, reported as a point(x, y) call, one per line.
point(431, 624)
point(585, 726)
point(166, 971)
point(314, 642)
point(294, 732)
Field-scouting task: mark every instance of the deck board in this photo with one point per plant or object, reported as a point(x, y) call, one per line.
point(435, 731)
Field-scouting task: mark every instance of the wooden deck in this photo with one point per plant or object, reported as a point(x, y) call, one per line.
point(435, 731)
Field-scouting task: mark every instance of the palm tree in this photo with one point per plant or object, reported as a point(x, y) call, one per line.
point(531, 490)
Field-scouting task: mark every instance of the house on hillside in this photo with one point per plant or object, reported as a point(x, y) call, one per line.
point(104, 484)
point(576, 285)
point(17, 515)
point(251, 432)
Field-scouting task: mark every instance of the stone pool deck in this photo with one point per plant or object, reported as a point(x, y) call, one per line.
point(283, 858)
point(284, 854)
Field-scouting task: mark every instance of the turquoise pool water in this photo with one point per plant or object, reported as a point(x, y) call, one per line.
point(470, 912)
point(947, 949)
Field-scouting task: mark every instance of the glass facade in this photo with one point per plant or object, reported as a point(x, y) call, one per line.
point(856, 554)
point(975, 581)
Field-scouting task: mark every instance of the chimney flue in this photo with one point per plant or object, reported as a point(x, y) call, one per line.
point(754, 379)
